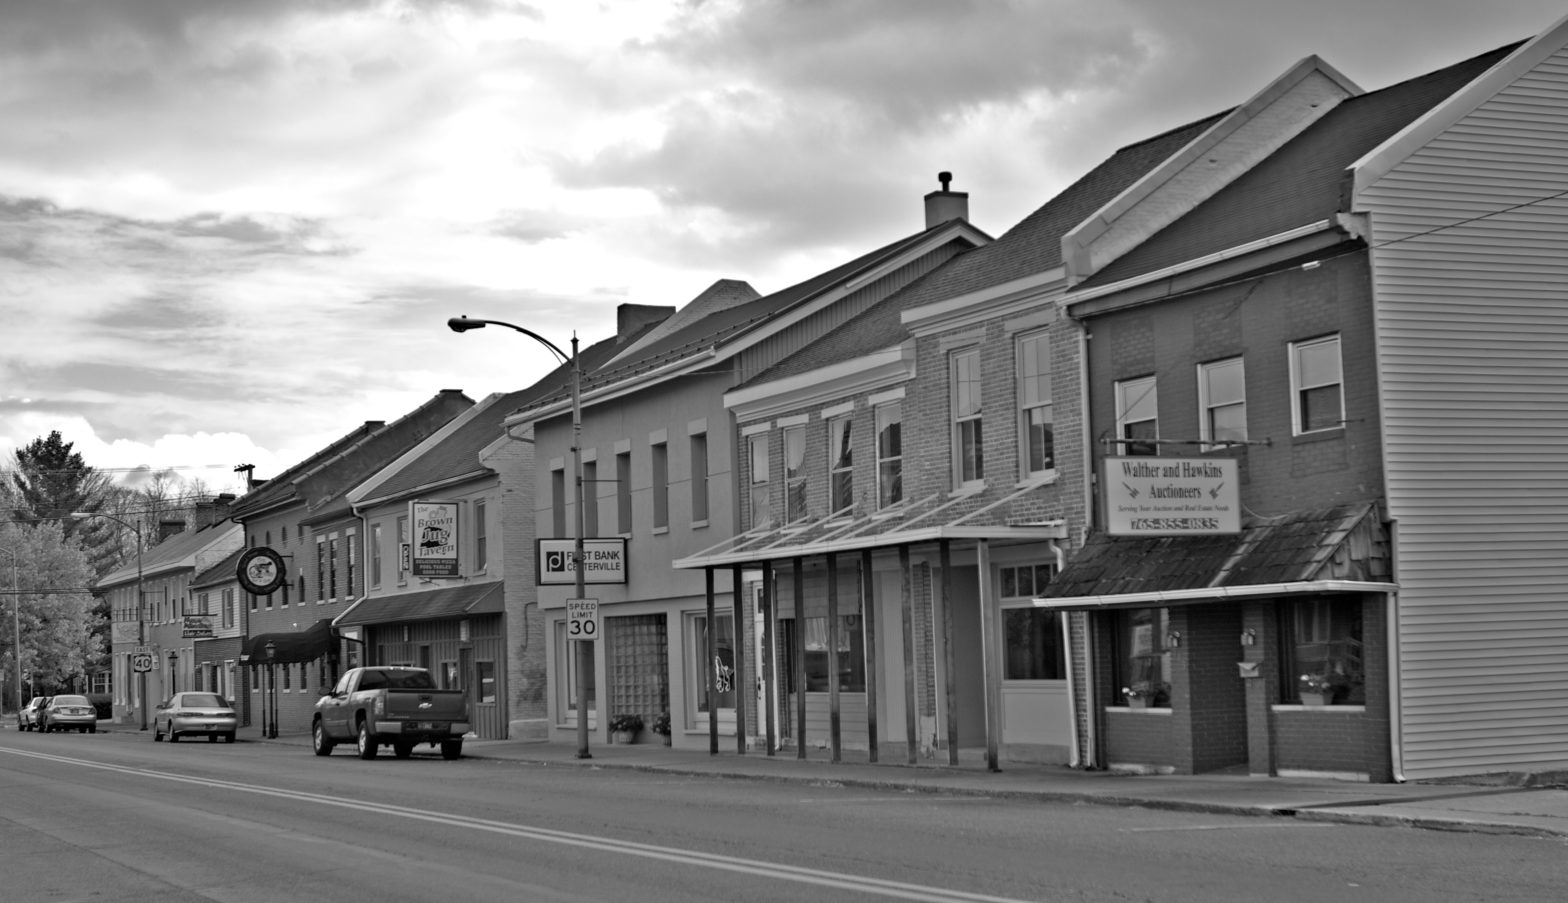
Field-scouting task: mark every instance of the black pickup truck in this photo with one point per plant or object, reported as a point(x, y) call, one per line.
point(390, 706)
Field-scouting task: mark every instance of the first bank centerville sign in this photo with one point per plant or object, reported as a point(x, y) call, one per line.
point(1171, 496)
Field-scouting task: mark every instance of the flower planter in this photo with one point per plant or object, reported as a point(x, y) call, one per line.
point(1138, 702)
point(1316, 698)
point(623, 737)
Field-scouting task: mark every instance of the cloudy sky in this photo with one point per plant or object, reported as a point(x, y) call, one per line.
point(232, 230)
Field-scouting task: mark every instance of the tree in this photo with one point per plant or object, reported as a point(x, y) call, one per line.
point(53, 481)
point(54, 607)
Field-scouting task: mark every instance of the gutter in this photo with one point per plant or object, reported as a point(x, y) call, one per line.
point(1160, 598)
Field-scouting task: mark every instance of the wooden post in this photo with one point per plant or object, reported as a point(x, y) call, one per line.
point(799, 650)
point(989, 662)
point(769, 631)
point(710, 674)
point(738, 638)
point(834, 727)
point(868, 606)
point(949, 683)
point(907, 614)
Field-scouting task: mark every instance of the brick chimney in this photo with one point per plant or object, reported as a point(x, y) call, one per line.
point(945, 205)
point(170, 526)
point(213, 511)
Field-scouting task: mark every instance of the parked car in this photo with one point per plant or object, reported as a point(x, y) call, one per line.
point(398, 707)
point(27, 718)
point(191, 714)
point(62, 713)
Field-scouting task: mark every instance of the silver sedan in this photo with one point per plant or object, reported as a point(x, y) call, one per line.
point(190, 714)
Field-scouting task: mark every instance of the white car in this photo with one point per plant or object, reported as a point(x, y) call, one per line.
point(195, 713)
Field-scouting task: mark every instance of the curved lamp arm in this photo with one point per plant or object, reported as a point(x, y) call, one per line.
point(463, 324)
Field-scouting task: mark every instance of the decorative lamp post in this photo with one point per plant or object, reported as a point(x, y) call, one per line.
point(463, 324)
point(271, 732)
point(174, 672)
point(141, 603)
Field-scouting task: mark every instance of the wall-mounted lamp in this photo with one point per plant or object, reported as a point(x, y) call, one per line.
point(1249, 637)
point(1173, 639)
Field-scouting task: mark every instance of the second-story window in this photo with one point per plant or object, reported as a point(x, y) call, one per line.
point(1222, 401)
point(321, 569)
point(1137, 422)
point(968, 435)
point(761, 500)
point(590, 498)
point(1036, 426)
point(350, 559)
point(558, 502)
point(228, 608)
point(841, 463)
point(375, 554)
point(332, 566)
point(659, 459)
point(1317, 398)
point(890, 453)
point(699, 477)
point(402, 548)
point(795, 474)
point(481, 537)
point(623, 492)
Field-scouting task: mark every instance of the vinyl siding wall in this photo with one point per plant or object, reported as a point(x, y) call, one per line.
point(1472, 315)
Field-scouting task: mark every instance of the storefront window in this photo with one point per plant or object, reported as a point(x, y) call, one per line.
point(1322, 648)
point(1032, 646)
point(567, 653)
point(851, 655)
point(721, 691)
point(1141, 657)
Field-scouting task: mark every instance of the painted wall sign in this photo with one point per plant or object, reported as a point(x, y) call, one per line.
point(606, 561)
point(434, 552)
point(1171, 496)
point(260, 571)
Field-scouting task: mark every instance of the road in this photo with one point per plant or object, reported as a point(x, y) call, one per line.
point(116, 817)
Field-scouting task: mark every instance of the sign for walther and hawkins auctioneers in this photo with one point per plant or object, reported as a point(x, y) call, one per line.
point(606, 561)
point(1171, 496)
point(434, 539)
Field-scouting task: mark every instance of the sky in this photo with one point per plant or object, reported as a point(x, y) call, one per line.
point(232, 231)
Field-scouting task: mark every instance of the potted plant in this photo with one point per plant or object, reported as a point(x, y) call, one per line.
point(661, 726)
point(624, 728)
point(1140, 695)
point(1316, 689)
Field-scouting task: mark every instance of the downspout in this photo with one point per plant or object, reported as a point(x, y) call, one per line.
point(1396, 735)
point(1091, 709)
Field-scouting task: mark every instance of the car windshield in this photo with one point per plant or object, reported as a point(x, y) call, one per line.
point(204, 700)
point(71, 700)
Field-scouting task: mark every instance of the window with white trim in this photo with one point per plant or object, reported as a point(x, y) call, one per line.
point(623, 492)
point(1032, 647)
point(761, 497)
point(1137, 416)
point(890, 454)
point(375, 554)
point(567, 672)
point(1036, 428)
point(795, 474)
point(659, 455)
point(841, 463)
point(1222, 401)
point(481, 535)
point(1317, 400)
point(968, 435)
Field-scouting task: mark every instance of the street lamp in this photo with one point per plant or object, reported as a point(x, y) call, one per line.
point(174, 672)
point(271, 732)
point(463, 324)
point(16, 626)
point(141, 614)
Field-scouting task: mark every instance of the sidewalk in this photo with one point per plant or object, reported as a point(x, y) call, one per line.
point(1534, 806)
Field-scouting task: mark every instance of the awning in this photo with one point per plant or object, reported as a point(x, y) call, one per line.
point(315, 641)
point(950, 516)
point(447, 602)
point(1343, 549)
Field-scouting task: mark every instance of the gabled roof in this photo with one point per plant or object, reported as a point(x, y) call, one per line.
point(1302, 183)
point(321, 481)
point(1031, 247)
point(181, 551)
point(222, 572)
point(1343, 547)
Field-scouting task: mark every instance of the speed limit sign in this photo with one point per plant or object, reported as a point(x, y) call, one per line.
point(582, 619)
point(141, 662)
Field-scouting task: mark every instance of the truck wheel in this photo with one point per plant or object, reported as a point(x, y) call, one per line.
point(452, 749)
point(367, 743)
point(402, 749)
point(320, 743)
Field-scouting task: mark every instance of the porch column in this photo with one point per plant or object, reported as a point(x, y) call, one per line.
point(738, 640)
point(708, 670)
point(907, 615)
point(949, 688)
point(834, 727)
point(989, 664)
point(769, 628)
point(868, 608)
point(798, 652)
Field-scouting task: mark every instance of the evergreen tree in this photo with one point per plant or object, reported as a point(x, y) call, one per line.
point(53, 481)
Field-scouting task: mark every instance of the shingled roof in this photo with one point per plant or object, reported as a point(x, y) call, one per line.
point(1033, 246)
point(1303, 182)
point(1344, 543)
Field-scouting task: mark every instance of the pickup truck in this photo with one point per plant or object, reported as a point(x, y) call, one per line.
point(390, 706)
